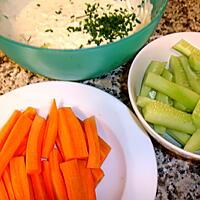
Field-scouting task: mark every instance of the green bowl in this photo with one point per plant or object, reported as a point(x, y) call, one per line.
point(82, 63)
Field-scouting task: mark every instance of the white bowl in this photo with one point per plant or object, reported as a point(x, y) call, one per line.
point(160, 49)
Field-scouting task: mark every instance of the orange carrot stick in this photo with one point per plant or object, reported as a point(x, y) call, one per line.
point(8, 185)
point(33, 151)
point(59, 147)
point(93, 142)
point(30, 188)
point(65, 137)
point(77, 133)
point(73, 180)
point(19, 131)
point(3, 192)
point(51, 131)
point(40, 192)
point(21, 150)
point(19, 178)
point(104, 150)
point(5, 130)
point(30, 112)
point(97, 174)
point(87, 178)
point(46, 173)
point(56, 175)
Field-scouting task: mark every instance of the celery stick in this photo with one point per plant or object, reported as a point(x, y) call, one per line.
point(156, 67)
point(193, 79)
point(193, 143)
point(196, 115)
point(186, 48)
point(159, 129)
point(179, 136)
point(177, 92)
point(180, 106)
point(178, 72)
point(163, 98)
point(194, 61)
point(142, 101)
point(179, 78)
point(170, 139)
point(167, 116)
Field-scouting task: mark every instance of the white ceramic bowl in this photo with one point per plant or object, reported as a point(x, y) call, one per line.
point(160, 49)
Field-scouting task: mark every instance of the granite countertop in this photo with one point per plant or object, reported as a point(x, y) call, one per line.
point(177, 178)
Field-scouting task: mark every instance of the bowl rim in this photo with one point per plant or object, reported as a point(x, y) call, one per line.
point(158, 14)
point(149, 129)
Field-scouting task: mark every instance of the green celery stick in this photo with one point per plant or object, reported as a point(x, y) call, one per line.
point(142, 101)
point(177, 92)
point(193, 79)
point(167, 116)
point(181, 137)
point(156, 67)
point(179, 78)
point(196, 115)
point(194, 61)
point(193, 143)
point(163, 98)
point(186, 48)
point(178, 72)
point(170, 139)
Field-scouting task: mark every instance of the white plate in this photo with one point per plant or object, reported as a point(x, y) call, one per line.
point(130, 169)
point(160, 49)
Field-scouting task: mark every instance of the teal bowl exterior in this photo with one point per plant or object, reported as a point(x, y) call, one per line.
point(83, 63)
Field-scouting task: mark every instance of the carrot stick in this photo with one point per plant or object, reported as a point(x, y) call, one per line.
point(5, 130)
point(73, 180)
point(93, 142)
point(8, 185)
point(56, 175)
point(21, 150)
point(51, 131)
point(19, 131)
point(97, 174)
point(88, 181)
point(77, 133)
point(19, 178)
point(104, 150)
point(46, 173)
point(40, 192)
point(65, 137)
point(33, 151)
point(3, 192)
point(59, 147)
point(30, 188)
point(30, 112)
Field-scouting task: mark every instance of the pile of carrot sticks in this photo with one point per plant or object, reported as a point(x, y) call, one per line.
point(59, 157)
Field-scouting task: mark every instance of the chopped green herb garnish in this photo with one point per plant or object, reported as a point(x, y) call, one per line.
point(58, 12)
point(5, 16)
point(142, 4)
point(49, 30)
point(73, 29)
point(29, 38)
point(138, 21)
point(108, 26)
point(81, 46)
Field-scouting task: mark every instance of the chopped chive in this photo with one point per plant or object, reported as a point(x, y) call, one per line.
point(49, 30)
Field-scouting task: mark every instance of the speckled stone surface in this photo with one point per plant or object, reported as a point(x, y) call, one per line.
point(177, 178)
